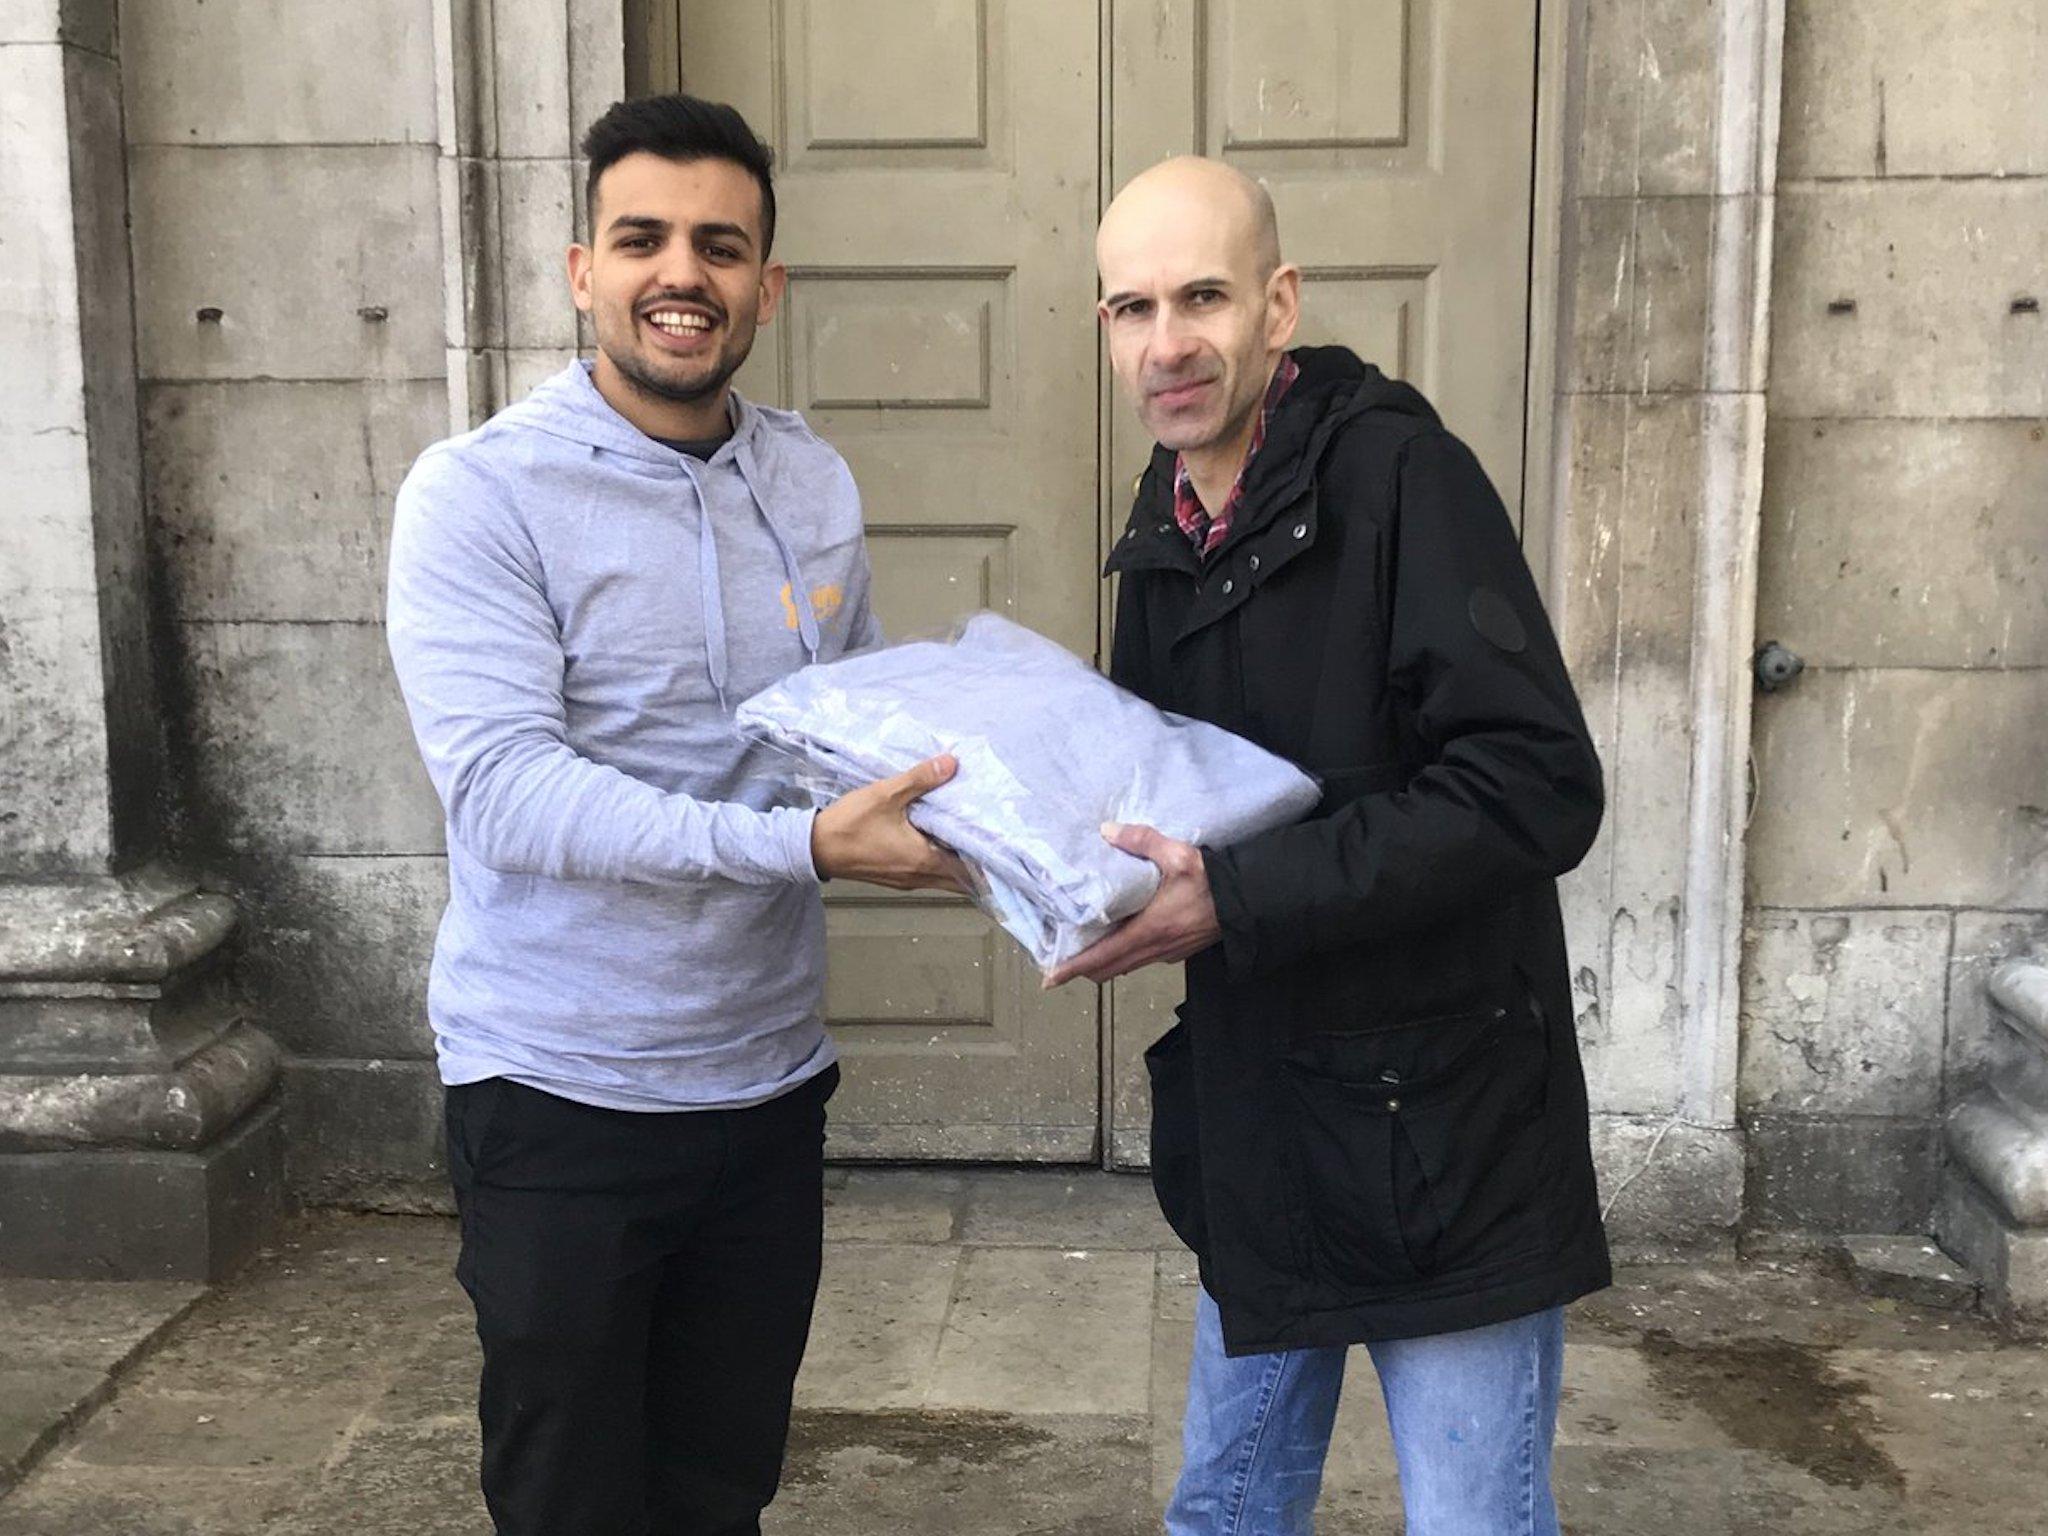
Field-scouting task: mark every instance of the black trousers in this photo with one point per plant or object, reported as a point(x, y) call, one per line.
point(643, 1287)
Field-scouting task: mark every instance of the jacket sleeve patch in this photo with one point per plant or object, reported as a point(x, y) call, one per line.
point(1496, 620)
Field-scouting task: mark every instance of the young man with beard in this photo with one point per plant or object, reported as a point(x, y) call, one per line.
point(1370, 1123)
point(627, 983)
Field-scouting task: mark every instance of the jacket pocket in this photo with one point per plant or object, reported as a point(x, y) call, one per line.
point(1176, 1146)
point(1422, 1145)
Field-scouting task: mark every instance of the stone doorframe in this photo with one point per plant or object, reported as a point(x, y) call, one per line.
point(1656, 169)
point(516, 82)
point(1656, 181)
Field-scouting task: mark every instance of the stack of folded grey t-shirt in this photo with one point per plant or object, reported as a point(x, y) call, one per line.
point(1049, 749)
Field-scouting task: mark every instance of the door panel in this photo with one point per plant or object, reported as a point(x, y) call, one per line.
point(937, 179)
point(1396, 139)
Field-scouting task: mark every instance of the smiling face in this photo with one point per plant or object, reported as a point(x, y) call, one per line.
point(675, 282)
point(1196, 306)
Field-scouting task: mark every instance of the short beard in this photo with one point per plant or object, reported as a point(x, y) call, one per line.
point(652, 385)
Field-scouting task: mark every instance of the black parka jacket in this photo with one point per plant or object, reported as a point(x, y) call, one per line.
point(1370, 1121)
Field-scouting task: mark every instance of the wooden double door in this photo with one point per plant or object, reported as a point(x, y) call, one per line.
point(940, 168)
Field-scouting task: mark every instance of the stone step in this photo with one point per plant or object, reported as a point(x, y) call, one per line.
point(1908, 1269)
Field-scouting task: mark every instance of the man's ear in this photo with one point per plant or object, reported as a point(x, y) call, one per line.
point(579, 276)
point(774, 283)
point(1283, 306)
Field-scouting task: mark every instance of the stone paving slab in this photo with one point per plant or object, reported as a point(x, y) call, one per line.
point(435, 1379)
point(279, 1428)
point(1907, 1269)
point(964, 1379)
point(1927, 1412)
point(338, 1303)
point(1021, 1207)
point(395, 1478)
point(875, 1333)
point(900, 1205)
point(971, 1473)
point(69, 1499)
point(1047, 1330)
point(62, 1345)
point(1611, 1396)
point(37, 1403)
point(1624, 1491)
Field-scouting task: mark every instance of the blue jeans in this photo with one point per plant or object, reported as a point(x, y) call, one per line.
point(1472, 1413)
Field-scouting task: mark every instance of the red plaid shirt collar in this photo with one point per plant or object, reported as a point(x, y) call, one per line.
point(1204, 531)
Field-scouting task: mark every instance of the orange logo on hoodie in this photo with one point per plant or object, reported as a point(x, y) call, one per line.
point(825, 601)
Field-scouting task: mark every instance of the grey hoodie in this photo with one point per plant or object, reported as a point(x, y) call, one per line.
point(633, 917)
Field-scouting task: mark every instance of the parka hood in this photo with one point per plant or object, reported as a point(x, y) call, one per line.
point(1335, 386)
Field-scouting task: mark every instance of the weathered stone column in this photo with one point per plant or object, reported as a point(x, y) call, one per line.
point(137, 1136)
point(1668, 154)
point(518, 82)
point(1993, 1211)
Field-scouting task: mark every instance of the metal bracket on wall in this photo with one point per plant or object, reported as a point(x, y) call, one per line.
point(1776, 667)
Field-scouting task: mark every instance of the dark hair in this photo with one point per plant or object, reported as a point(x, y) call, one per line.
point(684, 128)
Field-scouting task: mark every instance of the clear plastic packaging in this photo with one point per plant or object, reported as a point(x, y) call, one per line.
point(1048, 748)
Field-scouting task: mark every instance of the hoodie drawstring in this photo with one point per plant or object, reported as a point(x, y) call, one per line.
point(799, 594)
point(710, 591)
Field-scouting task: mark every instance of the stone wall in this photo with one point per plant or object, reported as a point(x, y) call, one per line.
point(348, 226)
point(286, 225)
point(1898, 841)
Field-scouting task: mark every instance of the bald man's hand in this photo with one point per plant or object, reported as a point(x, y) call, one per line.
point(1179, 920)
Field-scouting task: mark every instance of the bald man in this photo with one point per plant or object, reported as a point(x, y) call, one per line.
point(1370, 1121)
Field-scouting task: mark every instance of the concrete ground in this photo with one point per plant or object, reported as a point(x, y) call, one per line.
point(999, 1354)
